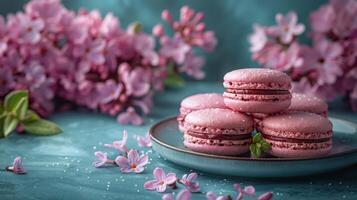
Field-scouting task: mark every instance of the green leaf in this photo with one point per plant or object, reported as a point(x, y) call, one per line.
point(2, 121)
point(42, 127)
point(9, 125)
point(265, 146)
point(257, 138)
point(21, 108)
point(2, 111)
point(13, 99)
point(255, 151)
point(31, 116)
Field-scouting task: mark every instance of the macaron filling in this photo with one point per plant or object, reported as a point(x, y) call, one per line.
point(258, 97)
point(214, 130)
point(294, 140)
point(300, 146)
point(219, 136)
point(257, 85)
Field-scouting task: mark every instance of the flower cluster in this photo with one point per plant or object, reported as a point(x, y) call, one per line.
point(327, 68)
point(163, 181)
point(81, 58)
point(128, 160)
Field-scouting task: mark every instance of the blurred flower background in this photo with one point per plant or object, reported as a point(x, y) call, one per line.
point(79, 53)
point(327, 67)
point(81, 58)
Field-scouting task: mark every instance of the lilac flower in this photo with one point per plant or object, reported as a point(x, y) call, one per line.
point(102, 159)
point(120, 145)
point(211, 196)
point(109, 91)
point(137, 82)
point(143, 141)
point(258, 39)
point(287, 27)
point(92, 51)
point(193, 66)
point(189, 182)
point(174, 48)
point(17, 167)
point(266, 196)
point(161, 180)
point(248, 190)
point(291, 58)
point(324, 57)
point(24, 29)
point(145, 44)
point(130, 117)
point(182, 195)
point(134, 162)
point(323, 19)
point(109, 26)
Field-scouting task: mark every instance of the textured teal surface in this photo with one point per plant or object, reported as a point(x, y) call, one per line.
point(232, 21)
point(59, 167)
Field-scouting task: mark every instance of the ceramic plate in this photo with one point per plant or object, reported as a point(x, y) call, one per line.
point(168, 142)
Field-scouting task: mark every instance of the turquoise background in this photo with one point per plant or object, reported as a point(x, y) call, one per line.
point(231, 20)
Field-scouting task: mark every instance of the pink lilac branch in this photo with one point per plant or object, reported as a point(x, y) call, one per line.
point(327, 68)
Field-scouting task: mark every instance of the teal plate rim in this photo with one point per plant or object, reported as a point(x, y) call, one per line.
point(152, 134)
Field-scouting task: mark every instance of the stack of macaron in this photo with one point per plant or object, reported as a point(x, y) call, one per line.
point(295, 125)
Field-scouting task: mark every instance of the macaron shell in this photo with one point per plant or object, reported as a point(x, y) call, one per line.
point(257, 106)
point(301, 122)
point(308, 103)
point(217, 147)
point(299, 150)
point(257, 78)
point(219, 118)
point(202, 101)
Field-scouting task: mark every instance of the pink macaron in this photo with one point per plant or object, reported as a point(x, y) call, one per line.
point(308, 103)
point(199, 102)
point(298, 134)
point(257, 90)
point(218, 131)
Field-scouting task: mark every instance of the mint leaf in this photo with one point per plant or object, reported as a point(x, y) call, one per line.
point(258, 146)
point(265, 146)
point(21, 108)
point(9, 125)
point(42, 127)
point(13, 99)
point(257, 138)
point(31, 116)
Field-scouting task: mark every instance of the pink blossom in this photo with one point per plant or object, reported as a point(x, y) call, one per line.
point(324, 58)
point(6, 80)
point(287, 27)
point(24, 29)
point(161, 180)
point(17, 167)
point(145, 44)
point(248, 190)
point(323, 19)
point(158, 30)
point(143, 141)
point(290, 58)
point(120, 145)
point(130, 117)
point(258, 39)
point(137, 82)
point(189, 182)
point(102, 159)
point(212, 196)
point(134, 162)
point(109, 91)
point(91, 51)
point(109, 26)
point(182, 195)
point(266, 196)
point(174, 48)
point(193, 66)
